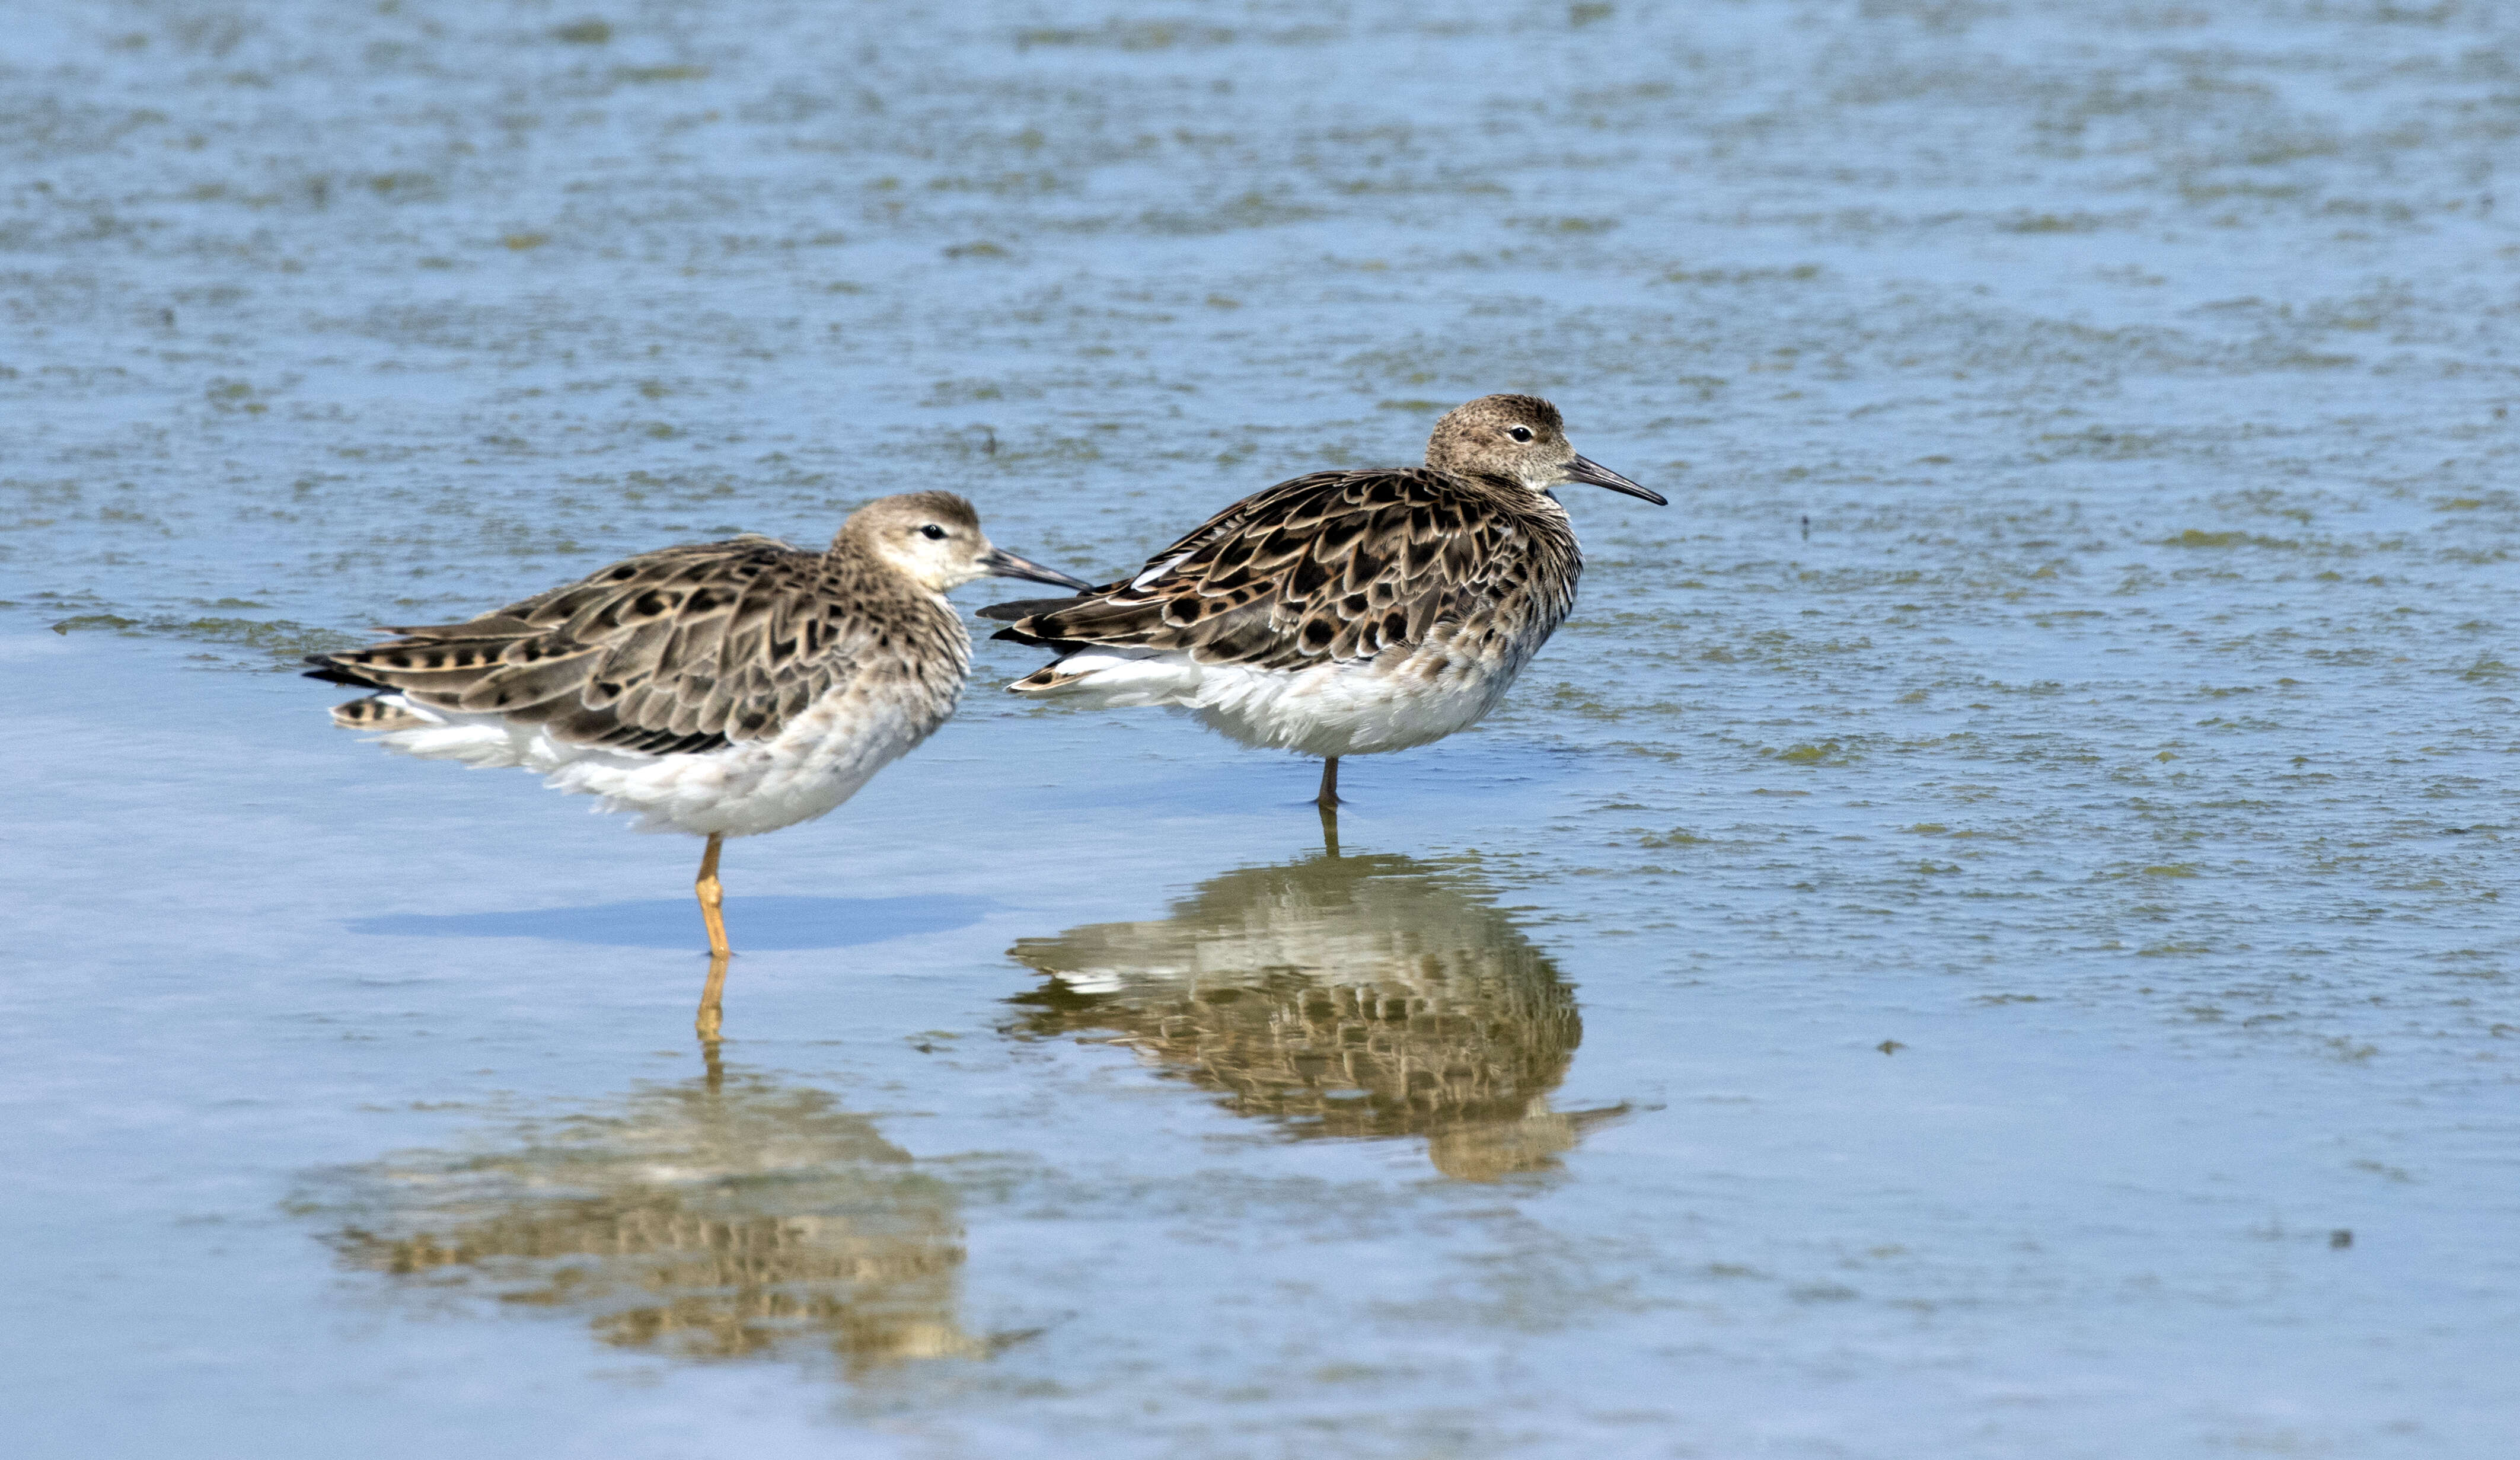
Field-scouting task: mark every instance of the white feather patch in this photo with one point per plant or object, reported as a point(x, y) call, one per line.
point(1355, 707)
point(819, 761)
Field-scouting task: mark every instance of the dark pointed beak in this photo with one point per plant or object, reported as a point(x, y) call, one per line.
point(1001, 564)
point(1593, 475)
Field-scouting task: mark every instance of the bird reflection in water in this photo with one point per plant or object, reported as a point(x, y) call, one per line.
point(1367, 996)
point(725, 1218)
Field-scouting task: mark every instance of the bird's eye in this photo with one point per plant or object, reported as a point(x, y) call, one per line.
point(932, 533)
point(1520, 433)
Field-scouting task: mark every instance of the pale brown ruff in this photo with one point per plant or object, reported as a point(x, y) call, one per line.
point(719, 688)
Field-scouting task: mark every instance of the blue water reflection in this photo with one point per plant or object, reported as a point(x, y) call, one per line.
point(766, 924)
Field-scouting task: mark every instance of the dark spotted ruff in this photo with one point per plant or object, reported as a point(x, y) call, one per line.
point(1343, 612)
point(1332, 567)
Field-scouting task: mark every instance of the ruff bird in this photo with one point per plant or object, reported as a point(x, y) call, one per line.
point(717, 688)
point(1343, 612)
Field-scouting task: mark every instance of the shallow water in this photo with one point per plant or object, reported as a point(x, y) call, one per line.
point(1983, 937)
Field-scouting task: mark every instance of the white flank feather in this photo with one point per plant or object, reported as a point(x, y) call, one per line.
point(1355, 707)
point(822, 759)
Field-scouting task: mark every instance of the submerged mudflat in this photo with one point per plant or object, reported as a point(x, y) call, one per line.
point(1985, 936)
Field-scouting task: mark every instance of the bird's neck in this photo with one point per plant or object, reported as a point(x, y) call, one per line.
point(1522, 493)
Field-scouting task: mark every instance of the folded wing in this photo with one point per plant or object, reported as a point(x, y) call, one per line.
point(1331, 567)
point(684, 649)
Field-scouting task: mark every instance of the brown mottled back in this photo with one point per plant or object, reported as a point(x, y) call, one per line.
point(1338, 565)
point(687, 648)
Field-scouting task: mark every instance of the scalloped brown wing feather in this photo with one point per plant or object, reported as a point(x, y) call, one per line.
point(1331, 567)
point(686, 648)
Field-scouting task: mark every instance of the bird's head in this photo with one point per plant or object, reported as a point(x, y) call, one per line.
point(1520, 438)
point(934, 539)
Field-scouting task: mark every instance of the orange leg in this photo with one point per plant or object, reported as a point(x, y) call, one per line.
point(713, 903)
point(711, 1017)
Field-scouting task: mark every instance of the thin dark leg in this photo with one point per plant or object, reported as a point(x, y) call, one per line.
point(1328, 799)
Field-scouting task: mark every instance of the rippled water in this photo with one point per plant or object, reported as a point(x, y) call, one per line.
point(1983, 937)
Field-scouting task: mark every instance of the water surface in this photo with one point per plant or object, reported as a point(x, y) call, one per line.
point(1983, 937)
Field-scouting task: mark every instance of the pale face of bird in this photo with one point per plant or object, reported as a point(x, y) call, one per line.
point(936, 555)
point(934, 540)
point(1520, 438)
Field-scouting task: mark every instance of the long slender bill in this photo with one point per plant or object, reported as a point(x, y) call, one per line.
point(1593, 475)
point(1004, 565)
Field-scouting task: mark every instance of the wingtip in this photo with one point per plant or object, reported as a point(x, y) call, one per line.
point(331, 671)
point(1020, 609)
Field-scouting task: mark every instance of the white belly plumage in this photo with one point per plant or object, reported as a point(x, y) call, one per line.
point(1342, 708)
point(818, 760)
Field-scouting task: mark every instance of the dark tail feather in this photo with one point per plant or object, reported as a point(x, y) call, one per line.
point(1055, 646)
point(1027, 607)
point(332, 672)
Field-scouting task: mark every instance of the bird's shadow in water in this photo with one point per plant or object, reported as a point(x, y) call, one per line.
point(769, 924)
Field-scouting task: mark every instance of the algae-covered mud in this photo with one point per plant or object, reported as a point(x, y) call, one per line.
point(1984, 936)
